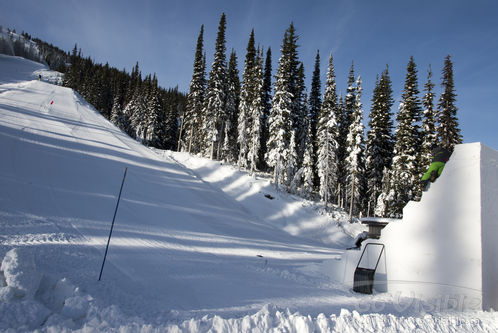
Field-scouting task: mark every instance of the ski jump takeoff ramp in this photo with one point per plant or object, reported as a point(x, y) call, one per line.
point(445, 248)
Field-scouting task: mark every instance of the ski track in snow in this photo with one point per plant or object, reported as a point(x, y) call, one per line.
point(196, 246)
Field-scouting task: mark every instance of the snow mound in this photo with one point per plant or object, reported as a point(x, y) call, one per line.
point(19, 273)
point(30, 300)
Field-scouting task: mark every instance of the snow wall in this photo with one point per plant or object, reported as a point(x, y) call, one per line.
point(445, 248)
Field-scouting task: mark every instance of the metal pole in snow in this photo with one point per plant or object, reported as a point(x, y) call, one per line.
point(112, 225)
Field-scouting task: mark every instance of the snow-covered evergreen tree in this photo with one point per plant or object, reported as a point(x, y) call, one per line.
point(355, 165)
point(290, 169)
point(214, 111)
point(448, 130)
point(300, 126)
point(307, 170)
point(404, 177)
point(315, 103)
point(71, 79)
point(128, 113)
point(327, 139)
point(170, 127)
point(230, 150)
point(247, 96)
point(429, 130)
point(190, 135)
point(139, 116)
point(382, 202)
point(283, 103)
point(135, 80)
point(117, 112)
point(267, 89)
point(256, 113)
point(135, 109)
point(294, 73)
point(344, 122)
point(279, 129)
point(380, 140)
point(154, 133)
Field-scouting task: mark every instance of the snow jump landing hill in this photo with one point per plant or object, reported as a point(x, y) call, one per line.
point(188, 253)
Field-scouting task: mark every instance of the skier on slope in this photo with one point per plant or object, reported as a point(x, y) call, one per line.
point(440, 156)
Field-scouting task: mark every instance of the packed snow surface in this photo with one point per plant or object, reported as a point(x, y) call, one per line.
point(197, 246)
point(451, 233)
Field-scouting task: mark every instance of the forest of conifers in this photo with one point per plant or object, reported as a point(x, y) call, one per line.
point(314, 145)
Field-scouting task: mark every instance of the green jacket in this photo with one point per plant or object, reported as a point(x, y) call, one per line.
point(435, 166)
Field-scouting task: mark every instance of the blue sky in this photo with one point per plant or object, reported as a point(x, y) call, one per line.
point(161, 36)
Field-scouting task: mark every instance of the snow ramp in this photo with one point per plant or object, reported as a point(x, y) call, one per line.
point(445, 249)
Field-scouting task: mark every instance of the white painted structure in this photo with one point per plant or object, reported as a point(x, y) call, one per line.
point(445, 248)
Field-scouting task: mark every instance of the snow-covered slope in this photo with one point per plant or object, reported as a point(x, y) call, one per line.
point(187, 253)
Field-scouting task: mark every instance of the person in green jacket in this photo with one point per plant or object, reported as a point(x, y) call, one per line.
point(439, 158)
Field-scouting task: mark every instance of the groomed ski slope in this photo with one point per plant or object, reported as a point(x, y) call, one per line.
point(194, 249)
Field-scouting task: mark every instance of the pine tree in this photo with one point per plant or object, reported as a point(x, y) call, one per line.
point(72, 74)
point(429, 131)
point(300, 126)
point(327, 139)
point(382, 202)
point(256, 113)
point(266, 110)
point(133, 102)
point(170, 130)
point(173, 106)
point(380, 140)
point(214, 111)
point(230, 151)
point(290, 169)
point(292, 72)
point(404, 178)
point(344, 120)
point(117, 112)
point(355, 166)
point(315, 102)
point(280, 121)
point(349, 104)
point(190, 135)
point(154, 134)
point(139, 115)
point(307, 170)
point(448, 131)
point(247, 96)
point(134, 81)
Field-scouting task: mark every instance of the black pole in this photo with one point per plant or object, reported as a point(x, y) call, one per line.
point(112, 225)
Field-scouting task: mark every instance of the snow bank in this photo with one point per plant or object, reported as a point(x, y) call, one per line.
point(49, 305)
point(256, 194)
point(19, 273)
point(29, 300)
point(273, 319)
